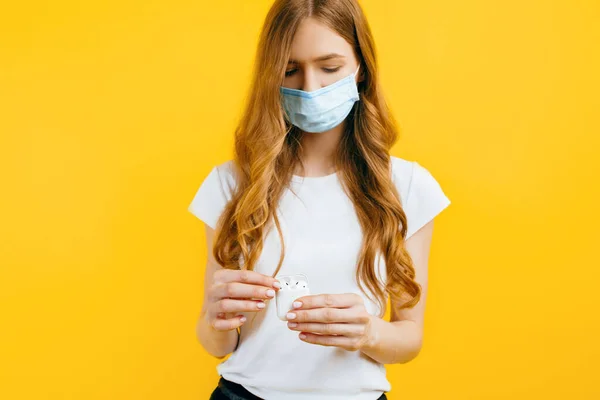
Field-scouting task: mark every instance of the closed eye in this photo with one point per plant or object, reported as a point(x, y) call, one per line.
point(328, 70)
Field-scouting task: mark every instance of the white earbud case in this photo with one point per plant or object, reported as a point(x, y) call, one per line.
point(292, 287)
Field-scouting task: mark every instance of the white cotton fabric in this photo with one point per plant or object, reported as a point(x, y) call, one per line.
point(322, 238)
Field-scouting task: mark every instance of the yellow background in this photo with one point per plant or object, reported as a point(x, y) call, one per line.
point(112, 113)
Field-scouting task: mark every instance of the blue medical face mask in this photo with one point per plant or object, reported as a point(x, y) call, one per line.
point(322, 109)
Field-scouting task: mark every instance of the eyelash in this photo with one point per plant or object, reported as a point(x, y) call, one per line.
point(328, 70)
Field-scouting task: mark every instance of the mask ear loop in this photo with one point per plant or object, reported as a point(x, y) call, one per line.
point(355, 75)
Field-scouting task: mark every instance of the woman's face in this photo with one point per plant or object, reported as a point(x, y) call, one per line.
point(319, 58)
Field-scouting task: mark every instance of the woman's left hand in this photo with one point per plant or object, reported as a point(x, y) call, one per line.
point(333, 320)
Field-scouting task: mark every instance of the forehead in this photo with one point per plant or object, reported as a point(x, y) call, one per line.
point(314, 39)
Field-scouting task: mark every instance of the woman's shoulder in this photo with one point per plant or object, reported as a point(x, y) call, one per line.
point(402, 173)
point(224, 167)
point(215, 190)
point(226, 172)
point(421, 193)
point(400, 164)
point(405, 172)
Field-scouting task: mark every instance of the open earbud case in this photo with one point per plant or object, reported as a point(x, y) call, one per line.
point(292, 287)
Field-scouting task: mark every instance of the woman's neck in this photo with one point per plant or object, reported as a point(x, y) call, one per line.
point(319, 151)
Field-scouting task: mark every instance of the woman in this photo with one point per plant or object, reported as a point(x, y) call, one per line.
point(313, 190)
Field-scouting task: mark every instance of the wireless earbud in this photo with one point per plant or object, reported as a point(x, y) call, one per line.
point(294, 282)
point(292, 287)
point(300, 284)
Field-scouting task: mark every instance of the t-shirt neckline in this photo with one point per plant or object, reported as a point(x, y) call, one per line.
point(315, 179)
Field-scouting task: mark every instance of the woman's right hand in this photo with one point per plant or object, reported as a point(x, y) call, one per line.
point(234, 291)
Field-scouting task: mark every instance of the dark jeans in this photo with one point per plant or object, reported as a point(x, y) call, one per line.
point(227, 390)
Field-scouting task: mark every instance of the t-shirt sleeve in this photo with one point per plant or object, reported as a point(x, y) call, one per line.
point(211, 197)
point(425, 199)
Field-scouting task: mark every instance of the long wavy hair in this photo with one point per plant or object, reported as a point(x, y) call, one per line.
point(268, 148)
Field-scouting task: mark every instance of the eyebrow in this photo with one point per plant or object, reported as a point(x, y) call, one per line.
point(321, 58)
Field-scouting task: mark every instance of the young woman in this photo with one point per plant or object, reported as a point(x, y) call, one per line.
point(313, 190)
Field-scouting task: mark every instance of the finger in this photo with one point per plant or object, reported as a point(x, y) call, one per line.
point(237, 290)
point(348, 343)
point(342, 300)
point(235, 306)
point(329, 315)
point(223, 324)
point(245, 276)
point(349, 330)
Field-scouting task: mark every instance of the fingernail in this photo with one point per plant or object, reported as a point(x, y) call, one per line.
point(277, 284)
point(290, 315)
point(243, 319)
point(297, 304)
point(270, 293)
point(293, 324)
point(260, 305)
point(302, 336)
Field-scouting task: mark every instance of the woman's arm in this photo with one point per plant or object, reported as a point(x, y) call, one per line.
point(400, 340)
point(218, 343)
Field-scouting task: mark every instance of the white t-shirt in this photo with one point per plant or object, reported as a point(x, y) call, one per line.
point(322, 238)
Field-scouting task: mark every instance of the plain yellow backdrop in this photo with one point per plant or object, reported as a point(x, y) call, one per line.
point(113, 112)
